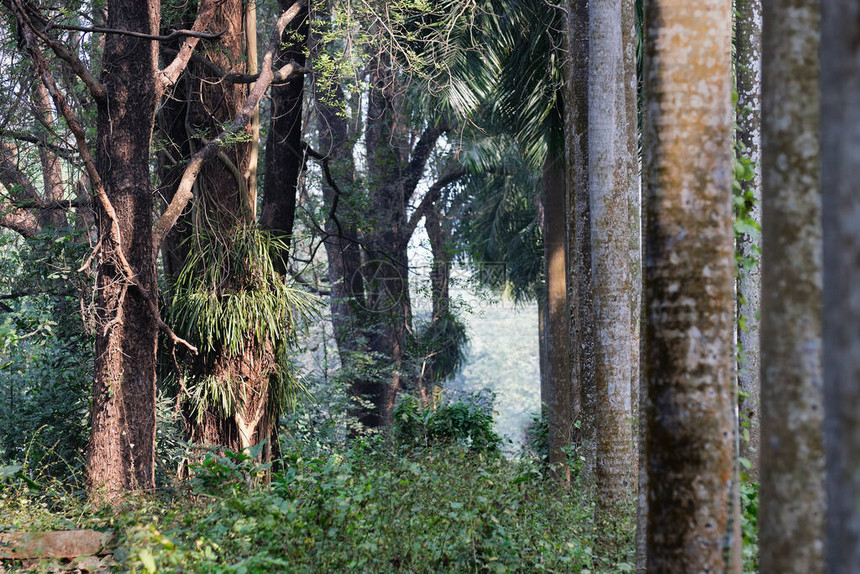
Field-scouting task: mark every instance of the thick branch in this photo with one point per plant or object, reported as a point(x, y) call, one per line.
point(285, 74)
point(420, 155)
point(184, 192)
point(172, 36)
point(432, 196)
point(168, 76)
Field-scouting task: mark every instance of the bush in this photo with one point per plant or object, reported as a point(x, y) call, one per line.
point(467, 423)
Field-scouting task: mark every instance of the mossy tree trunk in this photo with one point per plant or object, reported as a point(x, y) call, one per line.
point(840, 133)
point(578, 221)
point(792, 460)
point(610, 164)
point(689, 276)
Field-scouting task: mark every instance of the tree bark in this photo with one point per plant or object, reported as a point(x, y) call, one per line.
point(689, 276)
point(792, 460)
point(561, 409)
point(609, 169)
point(748, 80)
point(840, 133)
point(122, 443)
point(579, 226)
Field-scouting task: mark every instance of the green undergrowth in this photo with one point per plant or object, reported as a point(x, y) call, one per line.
point(435, 509)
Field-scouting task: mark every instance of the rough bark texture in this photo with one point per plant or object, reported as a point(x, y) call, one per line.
point(840, 123)
point(224, 203)
point(689, 357)
point(561, 412)
point(609, 167)
point(792, 460)
point(122, 443)
point(579, 226)
point(748, 22)
point(284, 153)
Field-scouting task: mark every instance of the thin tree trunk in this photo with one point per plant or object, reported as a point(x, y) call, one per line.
point(122, 442)
point(791, 507)
point(609, 168)
point(560, 409)
point(840, 134)
point(748, 80)
point(689, 291)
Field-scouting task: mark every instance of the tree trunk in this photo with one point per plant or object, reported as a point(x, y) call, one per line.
point(561, 409)
point(748, 79)
point(689, 276)
point(792, 461)
point(225, 203)
point(284, 153)
point(579, 226)
point(840, 122)
point(122, 443)
point(609, 168)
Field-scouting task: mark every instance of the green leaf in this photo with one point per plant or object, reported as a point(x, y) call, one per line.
point(148, 560)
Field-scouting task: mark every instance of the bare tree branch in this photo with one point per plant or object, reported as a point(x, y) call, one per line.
point(281, 76)
point(432, 196)
point(170, 74)
point(420, 154)
point(184, 192)
point(172, 36)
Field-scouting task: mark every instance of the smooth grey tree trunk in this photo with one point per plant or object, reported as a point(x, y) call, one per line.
point(689, 355)
point(840, 157)
point(609, 166)
point(748, 81)
point(791, 511)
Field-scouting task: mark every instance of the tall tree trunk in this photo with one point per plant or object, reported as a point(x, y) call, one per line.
point(386, 271)
point(561, 409)
point(284, 154)
point(840, 134)
point(792, 460)
point(630, 31)
point(224, 205)
point(609, 168)
point(689, 276)
point(122, 443)
point(578, 235)
point(748, 79)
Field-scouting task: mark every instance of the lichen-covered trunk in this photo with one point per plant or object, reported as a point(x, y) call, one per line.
point(689, 276)
point(578, 220)
point(748, 22)
point(791, 511)
point(122, 442)
point(840, 134)
point(561, 410)
point(609, 167)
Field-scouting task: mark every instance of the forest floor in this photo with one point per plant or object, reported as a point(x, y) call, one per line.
point(369, 509)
